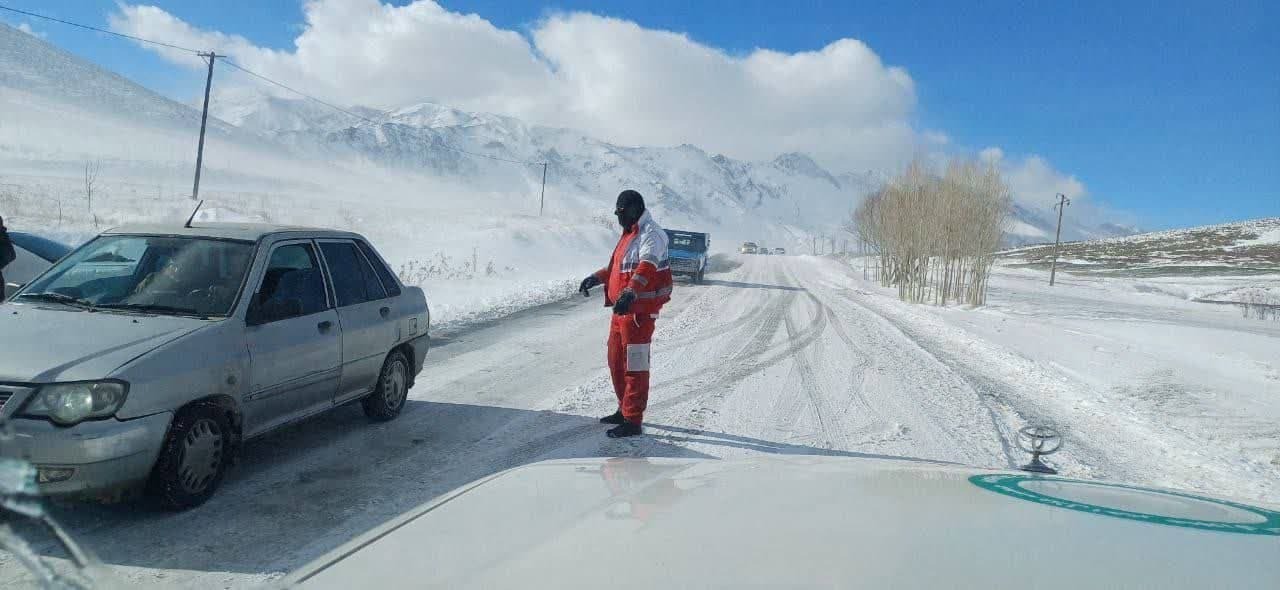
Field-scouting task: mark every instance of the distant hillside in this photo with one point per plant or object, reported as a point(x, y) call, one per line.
point(1244, 247)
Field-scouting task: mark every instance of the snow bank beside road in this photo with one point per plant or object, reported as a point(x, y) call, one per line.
point(1149, 387)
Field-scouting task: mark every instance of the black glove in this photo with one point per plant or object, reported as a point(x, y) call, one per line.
point(623, 305)
point(587, 284)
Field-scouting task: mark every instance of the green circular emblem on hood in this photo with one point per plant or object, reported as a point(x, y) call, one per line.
point(1134, 503)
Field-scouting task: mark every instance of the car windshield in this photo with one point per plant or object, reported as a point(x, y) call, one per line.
point(687, 241)
point(154, 274)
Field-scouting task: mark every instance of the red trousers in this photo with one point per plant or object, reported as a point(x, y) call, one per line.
point(629, 338)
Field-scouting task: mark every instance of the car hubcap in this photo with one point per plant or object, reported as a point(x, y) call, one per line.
point(201, 456)
point(395, 385)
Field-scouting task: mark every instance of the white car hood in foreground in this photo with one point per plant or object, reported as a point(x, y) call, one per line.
point(806, 522)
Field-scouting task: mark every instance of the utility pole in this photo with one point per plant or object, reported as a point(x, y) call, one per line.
point(204, 119)
point(1061, 205)
point(542, 201)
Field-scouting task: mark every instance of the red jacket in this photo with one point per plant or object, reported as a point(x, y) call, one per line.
point(639, 263)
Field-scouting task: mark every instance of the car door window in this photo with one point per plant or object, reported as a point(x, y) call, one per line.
point(384, 274)
point(293, 273)
point(354, 280)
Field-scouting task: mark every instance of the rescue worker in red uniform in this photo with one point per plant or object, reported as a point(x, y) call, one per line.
point(637, 283)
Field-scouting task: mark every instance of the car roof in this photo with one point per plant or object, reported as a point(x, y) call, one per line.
point(229, 231)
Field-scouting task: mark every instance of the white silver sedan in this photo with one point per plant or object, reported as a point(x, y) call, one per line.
point(146, 356)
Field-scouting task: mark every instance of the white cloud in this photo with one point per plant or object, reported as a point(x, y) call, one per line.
point(608, 77)
point(936, 138)
point(651, 87)
point(1033, 180)
point(26, 28)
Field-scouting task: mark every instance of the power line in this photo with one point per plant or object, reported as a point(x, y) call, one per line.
point(260, 77)
point(92, 28)
point(298, 92)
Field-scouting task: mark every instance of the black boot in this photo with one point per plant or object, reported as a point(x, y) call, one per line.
point(627, 428)
point(614, 418)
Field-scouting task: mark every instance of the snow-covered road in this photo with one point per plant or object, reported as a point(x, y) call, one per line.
point(780, 355)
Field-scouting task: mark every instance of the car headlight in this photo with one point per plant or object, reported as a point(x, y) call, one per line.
point(71, 403)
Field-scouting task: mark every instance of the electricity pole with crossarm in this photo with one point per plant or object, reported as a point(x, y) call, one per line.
point(1062, 203)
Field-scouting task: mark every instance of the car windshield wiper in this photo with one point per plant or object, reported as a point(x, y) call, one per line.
point(154, 308)
point(59, 298)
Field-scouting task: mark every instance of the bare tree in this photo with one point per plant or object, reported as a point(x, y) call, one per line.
point(90, 177)
point(935, 236)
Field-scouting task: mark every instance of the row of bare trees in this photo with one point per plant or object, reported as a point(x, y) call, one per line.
point(935, 236)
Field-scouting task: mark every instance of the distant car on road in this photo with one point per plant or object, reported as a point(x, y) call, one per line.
point(148, 355)
point(748, 248)
point(35, 254)
point(764, 251)
point(688, 253)
point(779, 251)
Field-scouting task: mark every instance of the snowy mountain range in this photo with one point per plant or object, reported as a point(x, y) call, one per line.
point(683, 182)
point(78, 107)
point(792, 189)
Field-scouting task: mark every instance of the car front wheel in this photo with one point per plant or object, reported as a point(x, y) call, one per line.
point(194, 458)
point(389, 395)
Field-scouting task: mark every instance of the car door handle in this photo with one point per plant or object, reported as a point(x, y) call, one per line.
point(324, 326)
point(386, 311)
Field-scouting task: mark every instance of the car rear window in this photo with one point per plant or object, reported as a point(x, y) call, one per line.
point(353, 279)
point(384, 274)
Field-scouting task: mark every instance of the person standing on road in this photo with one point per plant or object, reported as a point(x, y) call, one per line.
point(637, 283)
point(7, 254)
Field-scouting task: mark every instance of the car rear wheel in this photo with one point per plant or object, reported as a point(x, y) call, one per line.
point(392, 390)
point(194, 458)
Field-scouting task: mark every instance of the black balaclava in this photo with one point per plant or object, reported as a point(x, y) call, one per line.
point(629, 209)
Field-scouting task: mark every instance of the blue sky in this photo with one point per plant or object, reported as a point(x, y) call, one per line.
point(1167, 110)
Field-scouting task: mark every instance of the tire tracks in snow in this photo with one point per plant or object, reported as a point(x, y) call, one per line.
point(788, 405)
point(754, 356)
point(812, 388)
point(983, 387)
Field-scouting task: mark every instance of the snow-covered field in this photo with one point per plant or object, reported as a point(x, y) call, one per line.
point(788, 354)
point(1238, 248)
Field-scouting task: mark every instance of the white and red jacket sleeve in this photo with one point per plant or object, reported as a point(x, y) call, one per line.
point(652, 253)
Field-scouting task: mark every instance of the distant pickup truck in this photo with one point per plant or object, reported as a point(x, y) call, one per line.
point(688, 252)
